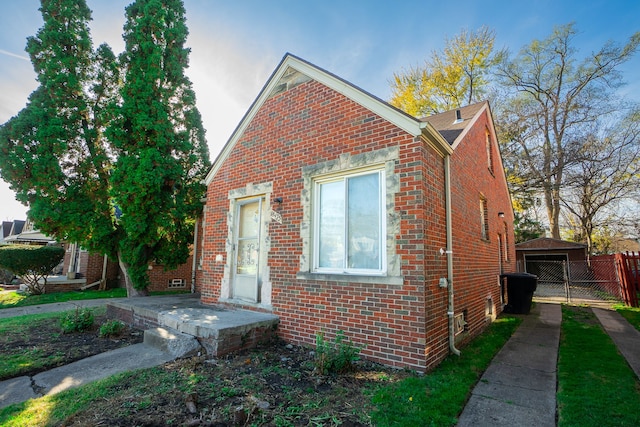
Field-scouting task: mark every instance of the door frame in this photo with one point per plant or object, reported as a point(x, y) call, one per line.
point(236, 197)
point(254, 295)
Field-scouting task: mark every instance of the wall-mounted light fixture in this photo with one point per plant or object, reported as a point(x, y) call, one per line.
point(501, 214)
point(278, 200)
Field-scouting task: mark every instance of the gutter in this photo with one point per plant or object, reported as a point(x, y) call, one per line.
point(449, 252)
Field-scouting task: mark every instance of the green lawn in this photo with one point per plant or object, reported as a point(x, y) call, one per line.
point(17, 299)
point(11, 299)
point(438, 398)
point(632, 314)
point(16, 360)
point(596, 386)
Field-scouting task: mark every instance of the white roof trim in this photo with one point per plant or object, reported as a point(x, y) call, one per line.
point(468, 127)
point(381, 108)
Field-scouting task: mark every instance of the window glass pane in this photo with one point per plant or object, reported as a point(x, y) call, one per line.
point(247, 256)
point(331, 225)
point(249, 219)
point(249, 229)
point(364, 222)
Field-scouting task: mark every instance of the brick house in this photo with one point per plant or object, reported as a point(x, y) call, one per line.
point(335, 211)
point(84, 268)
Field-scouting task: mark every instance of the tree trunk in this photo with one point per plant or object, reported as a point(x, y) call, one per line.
point(131, 291)
point(552, 204)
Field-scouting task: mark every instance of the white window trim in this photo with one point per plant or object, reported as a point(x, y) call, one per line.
point(383, 159)
point(318, 181)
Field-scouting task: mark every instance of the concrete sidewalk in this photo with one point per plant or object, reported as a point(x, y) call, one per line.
point(55, 307)
point(75, 374)
point(519, 387)
point(103, 365)
point(623, 334)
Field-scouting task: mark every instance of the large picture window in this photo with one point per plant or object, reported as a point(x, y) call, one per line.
point(349, 223)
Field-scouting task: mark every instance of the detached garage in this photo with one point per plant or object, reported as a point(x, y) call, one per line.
point(530, 253)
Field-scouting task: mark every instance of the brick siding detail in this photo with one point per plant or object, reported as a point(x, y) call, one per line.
point(402, 325)
point(477, 261)
point(131, 318)
point(91, 266)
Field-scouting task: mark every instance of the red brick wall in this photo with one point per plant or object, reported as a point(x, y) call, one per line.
point(477, 261)
point(90, 266)
point(91, 269)
point(160, 278)
point(401, 325)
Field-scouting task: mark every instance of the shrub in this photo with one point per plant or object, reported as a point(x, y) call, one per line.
point(32, 263)
point(79, 320)
point(335, 357)
point(111, 328)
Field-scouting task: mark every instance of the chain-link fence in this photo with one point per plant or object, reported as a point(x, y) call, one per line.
point(575, 281)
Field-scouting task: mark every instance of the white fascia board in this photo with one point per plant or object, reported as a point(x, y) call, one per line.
point(467, 128)
point(435, 139)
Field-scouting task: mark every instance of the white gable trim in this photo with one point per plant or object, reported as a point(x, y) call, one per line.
point(381, 108)
point(469, 126)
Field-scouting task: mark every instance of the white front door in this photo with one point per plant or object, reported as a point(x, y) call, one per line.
point(246, 269)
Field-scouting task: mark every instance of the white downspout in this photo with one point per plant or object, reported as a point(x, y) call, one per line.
point(449, 252)
point(194, 262)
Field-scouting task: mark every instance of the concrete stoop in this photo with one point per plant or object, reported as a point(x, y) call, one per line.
point(172, 342)
point(176, 324)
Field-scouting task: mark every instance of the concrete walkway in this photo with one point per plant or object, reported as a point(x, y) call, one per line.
point(83, 371)
point(623, 334)
point(103, 365)
point(55, 307)
point(519, 387)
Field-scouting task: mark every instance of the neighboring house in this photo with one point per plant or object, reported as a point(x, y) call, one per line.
point(81, 268)
point(80, 264)
point(335, 211)
point(23, 233)
point(11, 229)
point(5, 230)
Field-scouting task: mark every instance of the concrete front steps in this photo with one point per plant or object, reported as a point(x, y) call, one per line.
point(180, 325)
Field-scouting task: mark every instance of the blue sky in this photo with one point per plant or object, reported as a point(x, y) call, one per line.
point(237, 44)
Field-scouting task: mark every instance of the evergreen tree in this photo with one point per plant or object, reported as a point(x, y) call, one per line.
point(159, 138)
point(88, 145)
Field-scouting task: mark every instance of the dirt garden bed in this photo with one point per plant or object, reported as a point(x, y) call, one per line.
point(44, 342)
point(273, 385)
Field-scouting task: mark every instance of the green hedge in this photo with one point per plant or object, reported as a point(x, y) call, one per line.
point(32, 263)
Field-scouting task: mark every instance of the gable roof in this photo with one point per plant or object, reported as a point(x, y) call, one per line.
point(293, 70)
point(17, 227)
point(453, 130)
point(6, 228)
point(547, 243)
point(33, 236)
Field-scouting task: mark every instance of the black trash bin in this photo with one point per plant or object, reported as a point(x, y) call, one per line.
point(520, 289)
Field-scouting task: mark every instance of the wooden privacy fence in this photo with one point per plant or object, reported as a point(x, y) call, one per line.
point(628, 265)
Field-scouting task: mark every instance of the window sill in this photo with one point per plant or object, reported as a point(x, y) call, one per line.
point(351, 278)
